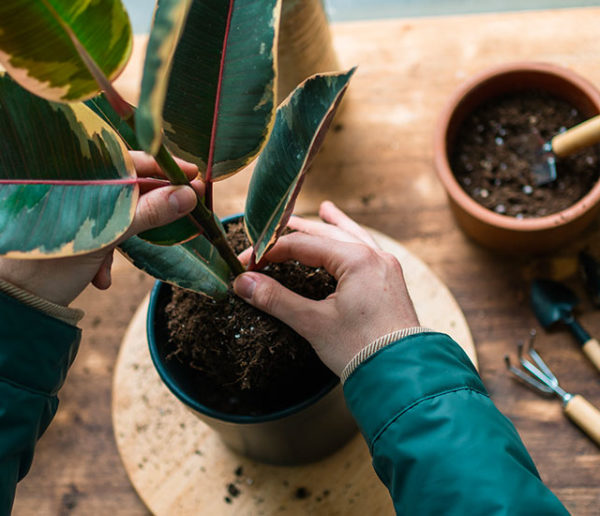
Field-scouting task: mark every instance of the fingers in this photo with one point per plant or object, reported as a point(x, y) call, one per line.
point(330, 213)
point(146, 166)
point(313, 227)
point(244, 256)
point(316, 251)
point(102, 280)
point(160, 207)
point(268, 295)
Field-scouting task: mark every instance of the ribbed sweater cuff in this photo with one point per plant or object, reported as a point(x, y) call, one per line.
point(376, 345)
point(68, 315)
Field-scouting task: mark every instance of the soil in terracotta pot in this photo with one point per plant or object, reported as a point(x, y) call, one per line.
point(243, 360)
point(497, 144)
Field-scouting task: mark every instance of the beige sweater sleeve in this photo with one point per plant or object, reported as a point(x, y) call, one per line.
point(68, 315)
point(376, 345)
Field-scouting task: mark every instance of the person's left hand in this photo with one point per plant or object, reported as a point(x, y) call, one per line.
point(60, 280)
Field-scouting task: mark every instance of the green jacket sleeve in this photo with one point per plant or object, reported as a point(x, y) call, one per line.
point(438, 442)
point(36, 351)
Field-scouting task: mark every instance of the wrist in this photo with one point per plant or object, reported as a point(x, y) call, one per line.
point(68, 315)
point(374, 346)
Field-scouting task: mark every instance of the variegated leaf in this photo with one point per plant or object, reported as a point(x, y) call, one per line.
point(300, 126)
point(217, 102)
point(67, 182)
point(102, 108)
point(176, 232)
point(195, 265)
point(37, 44)
point(167, 26)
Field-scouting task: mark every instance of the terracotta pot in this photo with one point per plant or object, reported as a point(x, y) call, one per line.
point(304, 432)
point(501, 232)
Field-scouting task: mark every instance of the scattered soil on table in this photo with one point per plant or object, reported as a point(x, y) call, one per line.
point(245, 361)
point(497, 144)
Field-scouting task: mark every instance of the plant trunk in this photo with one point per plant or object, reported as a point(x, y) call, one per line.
point(305, 46)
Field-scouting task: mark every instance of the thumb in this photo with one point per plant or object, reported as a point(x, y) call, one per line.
point(161, 206)
point(271, 297)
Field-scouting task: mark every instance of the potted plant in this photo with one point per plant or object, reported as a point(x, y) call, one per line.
point(208, 96)
point(515, 225)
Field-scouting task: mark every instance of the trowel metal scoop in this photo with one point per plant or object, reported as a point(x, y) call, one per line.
point(553, 302)
point(564, 144)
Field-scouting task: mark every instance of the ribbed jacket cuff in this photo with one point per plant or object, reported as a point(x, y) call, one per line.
point(65, 314)
point(376, 345)
point(404, 373)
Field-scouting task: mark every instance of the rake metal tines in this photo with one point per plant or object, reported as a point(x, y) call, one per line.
point(535, 372)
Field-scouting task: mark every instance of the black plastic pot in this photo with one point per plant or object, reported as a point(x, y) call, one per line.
point(304, 432)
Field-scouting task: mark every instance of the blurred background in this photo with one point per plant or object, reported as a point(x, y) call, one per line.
point(140, 11)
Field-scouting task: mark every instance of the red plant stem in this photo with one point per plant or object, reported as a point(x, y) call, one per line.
point(208, 194)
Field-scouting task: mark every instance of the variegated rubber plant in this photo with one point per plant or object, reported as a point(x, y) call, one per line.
point(67, 183)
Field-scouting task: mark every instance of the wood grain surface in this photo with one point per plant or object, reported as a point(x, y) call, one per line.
point(377, 165)
point(178, 465)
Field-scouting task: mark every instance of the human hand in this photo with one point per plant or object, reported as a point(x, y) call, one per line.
point(371, 298)
point(60, 280)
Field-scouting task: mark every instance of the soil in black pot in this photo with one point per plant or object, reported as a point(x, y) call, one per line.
point(244, 361)
point(497, 144)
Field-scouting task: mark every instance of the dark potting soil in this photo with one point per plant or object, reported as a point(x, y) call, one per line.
point(497, 143)
point(244, 361)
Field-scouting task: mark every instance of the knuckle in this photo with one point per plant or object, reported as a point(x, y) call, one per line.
point(364, 256)
point(391, 261)
point(266, 297)
point(151, 215)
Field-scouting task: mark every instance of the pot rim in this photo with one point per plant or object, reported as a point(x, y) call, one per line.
point(194, 404)
point(455, 190)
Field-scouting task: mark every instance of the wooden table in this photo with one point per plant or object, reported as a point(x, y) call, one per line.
point(378, 167)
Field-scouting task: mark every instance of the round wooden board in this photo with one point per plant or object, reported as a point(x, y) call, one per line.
point(179, 466)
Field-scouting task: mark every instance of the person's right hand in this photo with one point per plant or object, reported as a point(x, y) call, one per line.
point(370, 301)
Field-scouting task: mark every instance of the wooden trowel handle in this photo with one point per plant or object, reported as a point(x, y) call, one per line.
point(583, 135)
point(585, 416)
point(592, 350)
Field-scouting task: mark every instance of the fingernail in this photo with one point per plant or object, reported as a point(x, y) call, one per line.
point(244, 286)
point(182, 200)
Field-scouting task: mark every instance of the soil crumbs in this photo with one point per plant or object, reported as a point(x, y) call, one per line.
point(247, 362)
point(497, 144)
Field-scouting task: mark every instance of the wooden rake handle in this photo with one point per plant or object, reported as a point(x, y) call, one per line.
point(583, 135)
point(592, 350)
point(585, 416)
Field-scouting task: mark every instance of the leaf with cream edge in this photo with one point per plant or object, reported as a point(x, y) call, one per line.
point(214, 92)
point(67, 182)
point(300, 126)
point(195, 265)
point(37, 44)
point(176, 232)
point(101, 106)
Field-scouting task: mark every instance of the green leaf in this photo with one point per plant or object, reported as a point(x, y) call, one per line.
point(300, 126)
point(37, 44)
point(217, 102)
point(167, 26)
point(195, 265)
point(102, 108)
point(44, 144)
point(176, 232)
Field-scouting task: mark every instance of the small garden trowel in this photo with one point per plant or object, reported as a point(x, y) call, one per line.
point(553, 302)
point(590, 271)
point(564, 144)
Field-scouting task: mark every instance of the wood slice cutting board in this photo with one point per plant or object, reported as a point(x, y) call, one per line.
point(179, 466)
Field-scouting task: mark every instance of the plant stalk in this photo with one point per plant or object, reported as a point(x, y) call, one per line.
point(201, 216)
